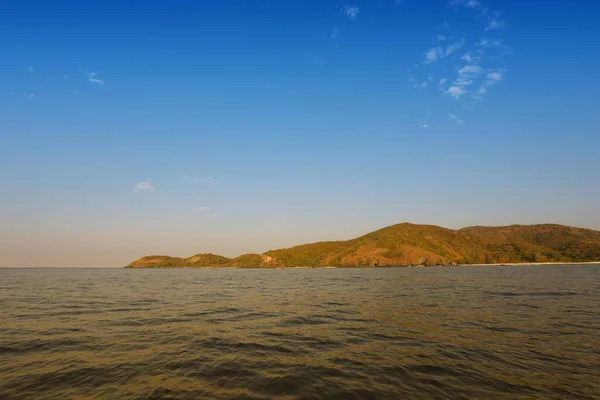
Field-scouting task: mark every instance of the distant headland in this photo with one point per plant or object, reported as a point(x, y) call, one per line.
point(415, 245)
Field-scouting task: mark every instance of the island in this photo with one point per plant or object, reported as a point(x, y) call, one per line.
point(406, 245)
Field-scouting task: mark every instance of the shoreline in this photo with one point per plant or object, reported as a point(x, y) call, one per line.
point(398, 266)
point(529, 264)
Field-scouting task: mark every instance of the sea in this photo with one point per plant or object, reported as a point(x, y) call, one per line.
point(494, 332)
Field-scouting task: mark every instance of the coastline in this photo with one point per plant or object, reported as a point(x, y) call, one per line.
point(529, 264)
point(398, 266)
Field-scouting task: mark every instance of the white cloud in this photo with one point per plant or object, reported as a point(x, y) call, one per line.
point(492, 18)
point(93, 78)
point(470, 58)
point(495, 24)
point(438, 53)
point(432, 54)
point(472, 80)
point(351, 11)
point(424, 126)
point(470, 70)
point(462, 82)
point(488, 43)
point(423, 84)
point(491, 79)
point(143, 186)
point(202, 210)
point(466, 77)
point(31, 69)
point(456, 118)
point(466, 3)
point(456, 91)
point(208, 179)
point(32, 96)
point(454, 46)
point(494, 76)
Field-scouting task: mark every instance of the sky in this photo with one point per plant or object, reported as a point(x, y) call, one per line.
point(181, 127)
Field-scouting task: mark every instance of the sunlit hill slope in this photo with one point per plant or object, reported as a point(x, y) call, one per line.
point(409, 244)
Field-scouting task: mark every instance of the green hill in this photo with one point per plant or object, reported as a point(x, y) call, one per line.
point(409, 244)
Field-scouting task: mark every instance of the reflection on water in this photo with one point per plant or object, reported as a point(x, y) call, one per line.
point(480, 332)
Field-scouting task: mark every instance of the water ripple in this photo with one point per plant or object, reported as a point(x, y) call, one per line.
point(435, 333)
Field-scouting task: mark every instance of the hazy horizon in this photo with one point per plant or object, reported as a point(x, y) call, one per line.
point(183, 128)
point(58, 260)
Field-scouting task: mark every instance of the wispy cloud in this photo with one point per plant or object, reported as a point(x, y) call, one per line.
point(92, 77)
point(439, 53)
point(351, 11)
point(424, 126)
point(466, 3)
point(208, 179)
point(454, 47)
point(456, 118)
point(462, 82)
point(488, 43)
point(74, 91)
point(334, 35)
point(470, 58)
point(473, 76)
point(495, 24)
point(31, 96)
point(466, 76)
point(456, 91)
point(432, 55)
point(422, 84)
point(143, 186)
point(495, 76)
point(319, 61)
point(31, 69)
point(202, 209)
point(491, 79)
point(470, 70)
point(492, 18)
point(335, 32)
point(11, 94)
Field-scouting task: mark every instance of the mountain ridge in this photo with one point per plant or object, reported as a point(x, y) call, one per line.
point(408, 244)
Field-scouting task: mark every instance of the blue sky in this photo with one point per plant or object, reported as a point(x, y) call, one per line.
point(178, 127)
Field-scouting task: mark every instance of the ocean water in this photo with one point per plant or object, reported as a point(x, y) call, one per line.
point(396, 333)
